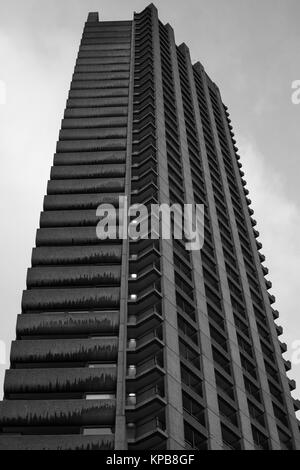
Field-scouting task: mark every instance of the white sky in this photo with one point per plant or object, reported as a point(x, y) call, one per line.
point(250, 48)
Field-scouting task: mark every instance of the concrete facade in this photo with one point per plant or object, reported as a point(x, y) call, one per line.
point(141, 344)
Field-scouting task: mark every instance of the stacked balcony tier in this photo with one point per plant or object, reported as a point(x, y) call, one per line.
point(60, 391)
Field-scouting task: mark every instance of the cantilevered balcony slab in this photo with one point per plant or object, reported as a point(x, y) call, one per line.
point(75, 380)
point(97, 122)
point(92, 112)
point(77, 255)
point(57, 442)
point(91, 145)
point(87, 171)
point(95, 185)
point(72, 218)
point(56, 412)
point(73, 298)
point(88, 350)
point(60, 236)
point(63, 324)
point(89, 158)
point(51, 276)
point(79, 201)
point(93, 133)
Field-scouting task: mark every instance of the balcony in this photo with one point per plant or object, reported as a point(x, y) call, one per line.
point(79, 255)
point(40, 413)
point(144, 321)
point(146, 403)
point(148, 344)
point(279, 330)
point(58, 276)
point(77, 298)
point(275, 314)
point(139, 197)
point(296, 404)
point(142, 252)
point(272, 299)
point(90, 158)
point(144, 276)
point(258, 245)
point(57, 442)
point(70, 218)
point(101, 349)
point(148, 435)
point(79, 202)
point(148, 142)
point(268, 284)
point(59, 383)
point(144, 373)
point(148, 177)
point(62, 324)
point(87, 112)
point(139, 301)
point(101, 102)
point(265, 270)
point(90, 145)
point(86, 185)
point(108, 170)
point(262, 445)
point(196, 446)
point(292, 384)
point(143, 132)
point(287, 365)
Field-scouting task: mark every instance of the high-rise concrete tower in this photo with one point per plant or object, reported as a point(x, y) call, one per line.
point(142, 344)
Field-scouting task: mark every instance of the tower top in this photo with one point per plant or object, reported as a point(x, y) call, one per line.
point(93, 17)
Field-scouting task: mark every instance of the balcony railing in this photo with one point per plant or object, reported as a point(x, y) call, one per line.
point(150, 426)
point(149, 289)
point(155, 361)
point(136, 319)
point(154, 334)
point(133, 400)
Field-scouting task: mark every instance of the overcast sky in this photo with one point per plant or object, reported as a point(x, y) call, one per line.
point(250, 48)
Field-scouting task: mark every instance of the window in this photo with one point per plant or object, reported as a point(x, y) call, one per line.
point(193, 408)
point(191, 380)
point(194, 439)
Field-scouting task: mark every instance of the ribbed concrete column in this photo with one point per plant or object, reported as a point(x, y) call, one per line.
point(174, 413)
point(274, 441)
point(120, 431)
point(271, 324)
point(210, 389)
point(228, 311)
point(232, 339)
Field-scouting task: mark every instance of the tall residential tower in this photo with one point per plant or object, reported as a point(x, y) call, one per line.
point(142, 344)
